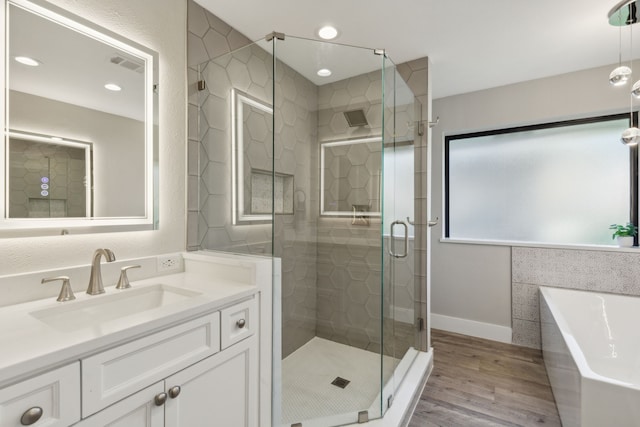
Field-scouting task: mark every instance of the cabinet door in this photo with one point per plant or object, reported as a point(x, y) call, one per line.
point(220, 391)
point(137, 410)
point(49, 400)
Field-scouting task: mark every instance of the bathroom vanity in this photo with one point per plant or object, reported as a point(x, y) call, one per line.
point(183, 349)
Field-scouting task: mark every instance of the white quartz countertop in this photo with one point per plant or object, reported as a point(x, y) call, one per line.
point(28, 345)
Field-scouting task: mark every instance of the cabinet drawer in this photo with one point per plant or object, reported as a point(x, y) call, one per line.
point(56, 393)
point(238, 322)
point(116, 373)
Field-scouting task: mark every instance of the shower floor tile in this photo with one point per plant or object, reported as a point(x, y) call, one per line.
point(307, 373)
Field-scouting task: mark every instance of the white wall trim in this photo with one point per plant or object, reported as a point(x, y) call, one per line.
point(471, 327)
point(580, 247)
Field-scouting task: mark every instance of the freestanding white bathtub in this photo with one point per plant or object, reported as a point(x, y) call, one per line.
point(591, 350)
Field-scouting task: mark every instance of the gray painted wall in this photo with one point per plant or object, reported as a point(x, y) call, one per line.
point(471, 281)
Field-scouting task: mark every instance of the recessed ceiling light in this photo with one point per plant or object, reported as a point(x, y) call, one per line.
point(25, 60)
point(324, 72)
point(328, 32)
point(113, 87)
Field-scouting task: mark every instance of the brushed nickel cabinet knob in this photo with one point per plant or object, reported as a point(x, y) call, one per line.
point(31, 416)
point(174, 391)
point(160, 399)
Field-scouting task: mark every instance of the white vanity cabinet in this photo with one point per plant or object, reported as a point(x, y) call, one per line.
point(179, 377)
point(51, 399)
point(190, 348)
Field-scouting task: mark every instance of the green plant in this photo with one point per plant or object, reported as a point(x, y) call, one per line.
point(629, 230)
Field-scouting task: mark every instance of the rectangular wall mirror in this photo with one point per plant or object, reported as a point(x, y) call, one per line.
point(80, 131)
point(350, 174)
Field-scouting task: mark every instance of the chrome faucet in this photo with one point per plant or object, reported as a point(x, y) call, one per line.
point(95, 279)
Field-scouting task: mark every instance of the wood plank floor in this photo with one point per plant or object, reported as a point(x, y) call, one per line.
point(477, 382)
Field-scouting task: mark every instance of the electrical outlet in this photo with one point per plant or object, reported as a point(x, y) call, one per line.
point(169, 263)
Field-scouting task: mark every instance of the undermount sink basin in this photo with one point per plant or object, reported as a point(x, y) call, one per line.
point(95, 310)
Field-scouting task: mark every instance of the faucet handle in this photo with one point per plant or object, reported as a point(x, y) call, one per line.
point(66, 293)
point(123, 282)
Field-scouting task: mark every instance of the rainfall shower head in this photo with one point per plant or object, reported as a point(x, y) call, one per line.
point(356, 118)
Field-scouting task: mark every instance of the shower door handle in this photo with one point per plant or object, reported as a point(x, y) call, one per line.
point(392, 240)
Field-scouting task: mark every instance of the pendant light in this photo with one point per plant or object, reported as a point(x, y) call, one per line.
point(622, 14)
point(635, 89)
point(621, 74)
point(631, 136)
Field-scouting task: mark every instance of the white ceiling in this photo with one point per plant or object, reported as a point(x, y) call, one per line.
point(472, 44)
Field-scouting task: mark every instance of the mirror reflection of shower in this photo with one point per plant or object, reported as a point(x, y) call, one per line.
point(48, 178)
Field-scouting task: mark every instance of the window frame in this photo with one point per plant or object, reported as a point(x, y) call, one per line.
point(633, 158)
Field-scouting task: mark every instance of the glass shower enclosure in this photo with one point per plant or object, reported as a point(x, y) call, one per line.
point(307, 156)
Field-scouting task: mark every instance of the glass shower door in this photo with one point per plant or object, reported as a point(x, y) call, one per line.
point(400, 323)
point(328, 144)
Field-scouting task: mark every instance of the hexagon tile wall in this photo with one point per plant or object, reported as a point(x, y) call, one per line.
point(331, 268)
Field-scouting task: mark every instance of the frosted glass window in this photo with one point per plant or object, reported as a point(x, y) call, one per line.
point(561, 184)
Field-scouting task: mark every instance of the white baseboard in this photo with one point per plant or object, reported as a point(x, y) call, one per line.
point(471, 327)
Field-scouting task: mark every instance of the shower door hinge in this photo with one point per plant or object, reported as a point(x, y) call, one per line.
point(379, 51)
point(363, 417)
point(274, 35)
point(202, 85)
point(420, 324)
point(390, 401)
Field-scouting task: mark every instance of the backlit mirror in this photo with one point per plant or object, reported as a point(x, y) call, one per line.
point(350, 178)
point(257, 192)
point(80, 142)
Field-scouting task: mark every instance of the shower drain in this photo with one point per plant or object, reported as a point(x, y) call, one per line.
point(340, 382)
